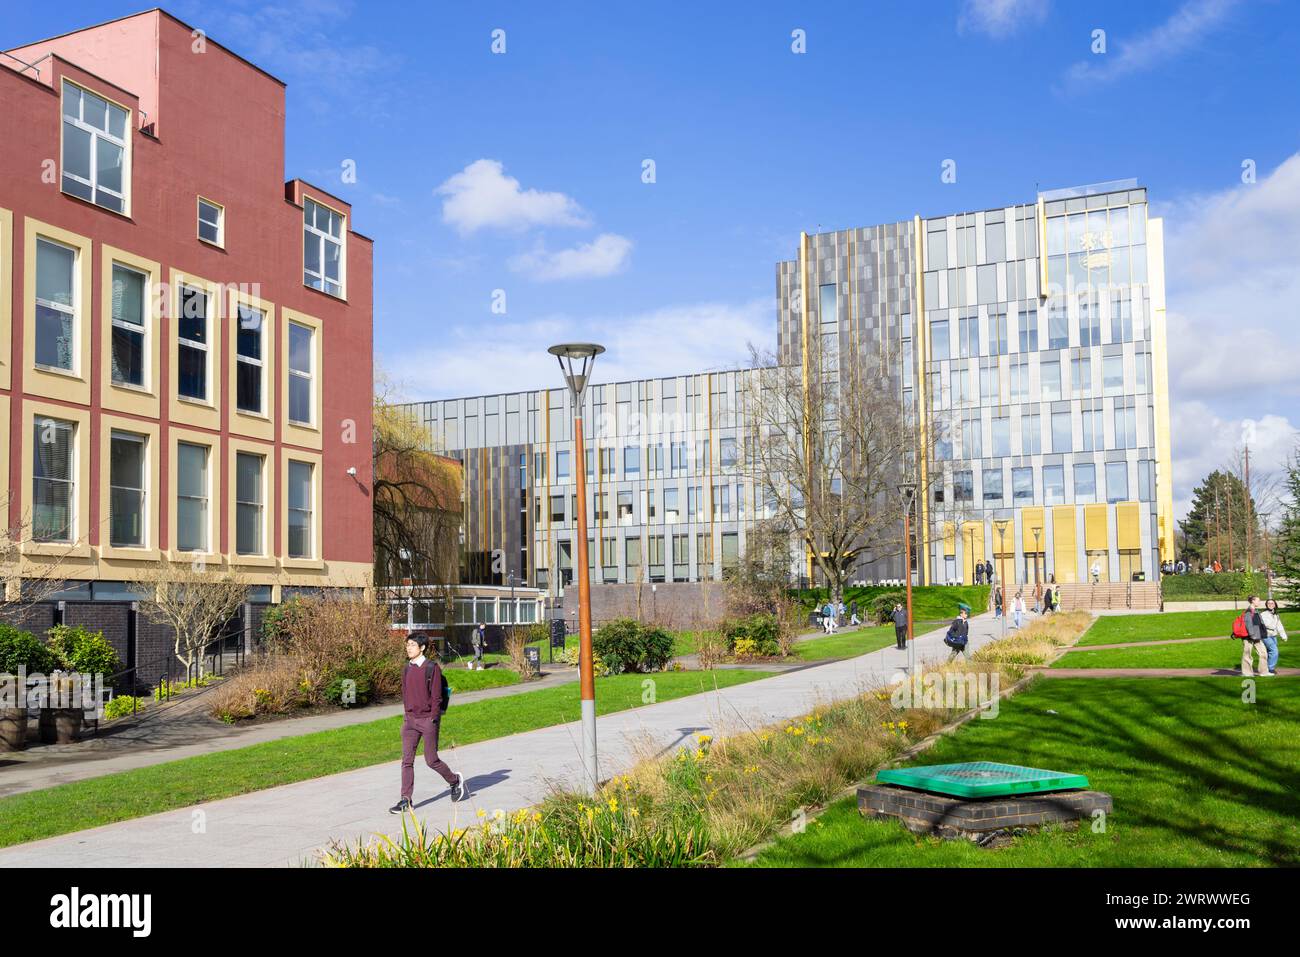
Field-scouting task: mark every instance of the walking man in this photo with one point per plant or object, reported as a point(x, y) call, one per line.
point(1253, 641)
point(422, 705)
point(1018, 608)
point(478, 640)
point(900, 626)
point(997, 601)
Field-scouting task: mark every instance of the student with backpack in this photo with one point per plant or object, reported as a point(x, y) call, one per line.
point(425, 696)
point(1250, 628)
point(958, 634)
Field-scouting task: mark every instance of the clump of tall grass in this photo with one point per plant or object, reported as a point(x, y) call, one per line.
point(1035, 642)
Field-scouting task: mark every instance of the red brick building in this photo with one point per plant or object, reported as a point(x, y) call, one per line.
point(185, 338)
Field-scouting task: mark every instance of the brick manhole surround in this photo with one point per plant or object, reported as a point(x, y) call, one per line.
point(986, 821)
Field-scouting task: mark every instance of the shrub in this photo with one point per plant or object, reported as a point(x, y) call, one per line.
point(881, 606)
point(121, 705)
point(761, 633)
point(711, 647)
point(278, 620)
point(745, 649)
point(317, 642)
point(1224, 586)
point(79, 649)
point(23, 649)
point(628, 645)
point(336, 692)
point(516, 642)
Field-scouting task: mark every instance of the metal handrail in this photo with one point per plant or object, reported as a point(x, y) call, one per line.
point(24, 64)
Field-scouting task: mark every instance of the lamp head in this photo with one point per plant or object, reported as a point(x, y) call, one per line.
point(576, 360)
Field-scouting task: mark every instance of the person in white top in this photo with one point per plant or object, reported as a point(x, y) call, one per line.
point(1096, 572)
point(1272, 620)
point(1018, 608)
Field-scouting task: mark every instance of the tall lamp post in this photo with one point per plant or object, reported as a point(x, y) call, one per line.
point(907, 490)
point(576, 361)
point(1001, 524)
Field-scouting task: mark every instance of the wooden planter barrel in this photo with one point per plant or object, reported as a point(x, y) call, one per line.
point(13, 729)
point(60, 725)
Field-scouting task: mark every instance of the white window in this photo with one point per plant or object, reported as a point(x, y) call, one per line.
point(300, 510)
point(300, 373)
point(94, 149)
point(126, 495)
point(191, 497)
point(322, 248)
point(192, 344)
point(248, 503)
point(212, 222)
point(248, 361)
point(54, 470)
point(56, 304)
point(128, 326)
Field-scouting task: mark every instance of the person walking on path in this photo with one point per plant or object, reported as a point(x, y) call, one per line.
point(1018, 608)
point(1272, 619)
point(1048, 599)
point(828, 618)
point(1038, 598)
point(958, 634)
point(997, 601)
point(422, 707)
point(1253, 641)
point(1096, 572)
point(900, 626)
point(853, 614)
point(478, 640)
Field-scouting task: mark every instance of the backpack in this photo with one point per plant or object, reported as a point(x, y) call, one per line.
point(1239, 629)
point(444, 694)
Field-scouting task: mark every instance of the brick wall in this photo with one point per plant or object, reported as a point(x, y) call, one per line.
point(112, 619)
point(671, 605)
point(38, 619)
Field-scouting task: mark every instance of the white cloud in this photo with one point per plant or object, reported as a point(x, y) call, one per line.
point(1233, 281)
point(1204, 441)
point(605, 255)
point(509, 355)
point(1182, 31)
point(1000, 18)
point(483, 196)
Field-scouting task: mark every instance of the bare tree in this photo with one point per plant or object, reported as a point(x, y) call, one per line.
point(827, 454)
point(29, 576)
point(196, 602)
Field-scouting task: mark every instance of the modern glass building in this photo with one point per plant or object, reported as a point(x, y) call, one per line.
point(1037, 383)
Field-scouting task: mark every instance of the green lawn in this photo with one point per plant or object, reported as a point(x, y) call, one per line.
point(183, 783)
point(1116, 629)
point(1208, 653)
point(931, 602)
point(848, 644)
point(1198, 778)
point(462, 679)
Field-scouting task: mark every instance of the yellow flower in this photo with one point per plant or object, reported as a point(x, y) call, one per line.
point(704, 738)
point(635, 812)
point(902, 724)
point(537, 816)
point(613, 804)
point(699, 754)
point(482, 812)
point(591, 815)
point(708, 779)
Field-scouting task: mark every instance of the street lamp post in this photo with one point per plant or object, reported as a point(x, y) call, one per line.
point(908, 492)
point(1038, 533)
point(576, 361)
point(1001, 524)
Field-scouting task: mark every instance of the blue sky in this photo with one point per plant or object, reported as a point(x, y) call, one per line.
point(522, 171)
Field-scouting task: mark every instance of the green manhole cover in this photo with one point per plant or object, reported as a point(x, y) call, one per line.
point(976, 779)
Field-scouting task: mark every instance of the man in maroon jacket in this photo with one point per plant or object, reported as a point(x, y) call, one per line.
point(422, 704)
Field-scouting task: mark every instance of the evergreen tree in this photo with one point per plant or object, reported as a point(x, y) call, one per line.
point(1286, 544)
point(1202, 541)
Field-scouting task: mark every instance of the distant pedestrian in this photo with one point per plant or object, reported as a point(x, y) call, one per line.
point(478, 640)
point(900, 626)
point(1038, 598)
point(958, 635)
point(1272, 619)
point(1048, 598)
point(828, 618)
point(1018, 609)
point(979, 573)
point(1252, 641)
point(997, 601)
point(1096, 572)
point(423, 704)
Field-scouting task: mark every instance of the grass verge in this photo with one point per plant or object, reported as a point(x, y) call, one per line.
point(1117, 629)
point(1205, 653)
point(209, 777)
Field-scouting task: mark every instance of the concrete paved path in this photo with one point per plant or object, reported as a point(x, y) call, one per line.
point(286, 826)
